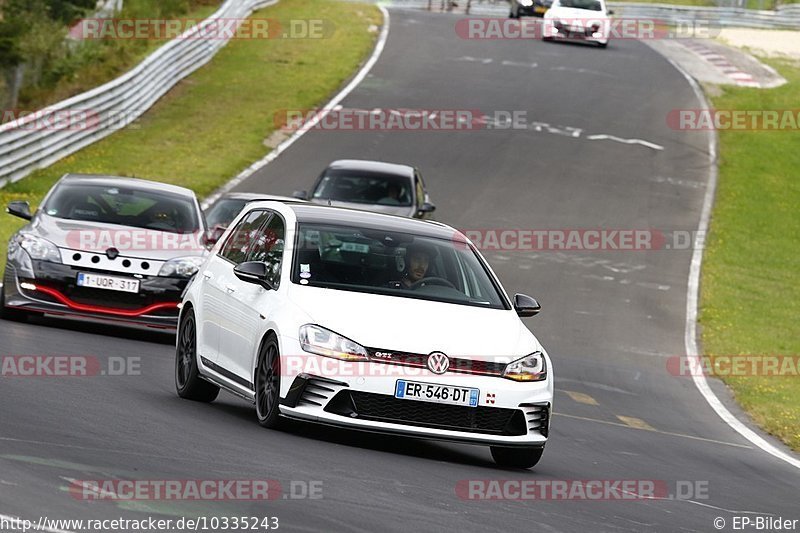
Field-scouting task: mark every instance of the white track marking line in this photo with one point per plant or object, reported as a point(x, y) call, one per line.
point(278, 150)
point(692, 294)
point(603, 136)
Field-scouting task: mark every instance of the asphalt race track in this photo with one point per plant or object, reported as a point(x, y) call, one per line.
point(611, 320)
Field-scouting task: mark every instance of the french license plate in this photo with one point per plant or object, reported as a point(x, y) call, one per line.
point(110, 283)
point(431, 392)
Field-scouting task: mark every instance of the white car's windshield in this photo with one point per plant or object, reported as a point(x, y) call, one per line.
point(394, 264)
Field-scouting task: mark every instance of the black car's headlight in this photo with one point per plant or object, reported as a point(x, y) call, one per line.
point(38, 248)
point(318, 340)
point(182, 267)
point(529, 368)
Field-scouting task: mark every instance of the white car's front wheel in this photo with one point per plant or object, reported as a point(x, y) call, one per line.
point(268, 384)
point(517, 457)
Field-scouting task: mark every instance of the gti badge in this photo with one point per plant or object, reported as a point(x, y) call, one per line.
point(438, 363)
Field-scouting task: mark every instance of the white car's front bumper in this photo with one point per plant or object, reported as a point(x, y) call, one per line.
point(361, 396)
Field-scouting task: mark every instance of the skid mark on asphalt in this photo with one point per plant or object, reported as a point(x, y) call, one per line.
point(652, 430)
point(581, 397)
point(634, 422)
point(592, 384)
point(55, 463)
point(619, 267)
point(626, 281)
point(678, 182)
point(582, 71)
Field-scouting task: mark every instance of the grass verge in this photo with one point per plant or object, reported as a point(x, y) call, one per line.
point(82, 65)
point(212, 125)
point(750, 294)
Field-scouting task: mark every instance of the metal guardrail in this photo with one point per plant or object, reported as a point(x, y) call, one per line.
point(39, 139)
point(784, 17)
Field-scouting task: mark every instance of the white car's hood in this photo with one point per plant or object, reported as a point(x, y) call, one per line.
point(571, 13)
point(417, 326)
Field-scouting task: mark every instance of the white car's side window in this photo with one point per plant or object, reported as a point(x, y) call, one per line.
point(269, 247)
point(242, 239)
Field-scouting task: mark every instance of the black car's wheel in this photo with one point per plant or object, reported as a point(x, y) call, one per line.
point(602, 45)
point(8, 313)
point(268, 384)
point(188, 382)
point(516, 457)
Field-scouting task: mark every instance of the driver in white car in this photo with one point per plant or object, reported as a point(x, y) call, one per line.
point(418, 259)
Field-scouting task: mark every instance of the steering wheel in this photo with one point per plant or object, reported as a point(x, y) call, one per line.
point(433, 280)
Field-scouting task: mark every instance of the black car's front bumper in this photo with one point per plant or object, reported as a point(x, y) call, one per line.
point(53, 290)
point(538, 9)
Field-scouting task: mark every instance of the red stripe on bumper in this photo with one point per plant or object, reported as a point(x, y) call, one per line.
point(105, 310)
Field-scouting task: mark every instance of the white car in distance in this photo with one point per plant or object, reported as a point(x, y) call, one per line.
point(366, 321)
point(578, 20)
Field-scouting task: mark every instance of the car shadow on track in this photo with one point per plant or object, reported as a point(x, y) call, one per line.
point(107, 330)
point(366, 440)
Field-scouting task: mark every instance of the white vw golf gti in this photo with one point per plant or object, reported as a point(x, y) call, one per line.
point(365, 321)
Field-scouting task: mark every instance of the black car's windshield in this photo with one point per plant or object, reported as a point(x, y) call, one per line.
point(394, 264)
point(126, 206)
point(363, 187)
point(591, 5)
point(224, 211)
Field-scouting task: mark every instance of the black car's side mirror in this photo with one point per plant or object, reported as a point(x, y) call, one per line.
point(253, 272)
point(300, 195)
point(526, 306)
point(427, 207)
point(212, 236)
point(19, 209)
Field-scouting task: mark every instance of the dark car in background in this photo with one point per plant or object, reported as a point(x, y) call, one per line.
point(220, 214)
point(529, 8)
point(376, 186)
point(105, 248)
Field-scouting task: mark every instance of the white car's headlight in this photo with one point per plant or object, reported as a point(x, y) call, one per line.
point(529, 368)
point(38, 248)
point(182, 267)
point(320, 341)
point(526, 3)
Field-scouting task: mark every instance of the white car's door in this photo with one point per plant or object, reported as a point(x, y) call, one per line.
point(215, 289)
point(208, 341)
point(248, 305)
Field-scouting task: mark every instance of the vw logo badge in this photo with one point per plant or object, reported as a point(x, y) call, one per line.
point(438, 363)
